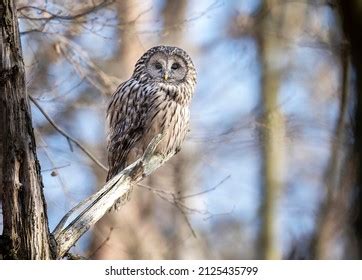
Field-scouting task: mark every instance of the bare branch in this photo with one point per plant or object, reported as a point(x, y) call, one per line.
point(104, 242)
point(34, 30)
point(176, 200)
point(67, 136)
point(207, 190)
point(173, 197)
point(184, 214)
point(118, 188)
point(54, 168)
point(74, 16)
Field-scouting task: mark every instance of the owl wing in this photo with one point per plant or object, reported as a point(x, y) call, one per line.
point(126, 116)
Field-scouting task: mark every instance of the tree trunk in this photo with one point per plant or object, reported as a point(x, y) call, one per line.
point(272, 132)
point(25, 232)
point(351, 12)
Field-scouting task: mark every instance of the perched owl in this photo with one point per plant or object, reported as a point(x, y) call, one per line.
point(154, 100)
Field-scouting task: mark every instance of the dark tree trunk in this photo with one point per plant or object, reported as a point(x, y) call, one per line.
point(25, 233)
point(351, 13)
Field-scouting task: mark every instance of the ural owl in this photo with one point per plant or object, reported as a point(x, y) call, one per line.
point(154, 100)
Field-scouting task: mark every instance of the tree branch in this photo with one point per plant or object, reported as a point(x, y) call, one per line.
point(118, 188)
point(74, 16)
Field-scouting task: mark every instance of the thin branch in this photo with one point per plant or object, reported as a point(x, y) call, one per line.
point(207, 190)
point(154, 190)
point(55, 168)
point(172, 198)
point(158, 191)
point(74, 16)
point(176, 200)
point(34, 30)
point(184, 214)
point(67, 136)
point(103, 243)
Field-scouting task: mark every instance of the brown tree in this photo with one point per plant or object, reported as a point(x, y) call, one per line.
point(351, 12)
point(25, 234)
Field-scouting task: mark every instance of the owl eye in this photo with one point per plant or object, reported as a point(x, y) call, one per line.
point(175, 66)
point(158, 66)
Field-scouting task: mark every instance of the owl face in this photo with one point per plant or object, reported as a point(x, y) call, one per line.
point(167, 68)
point(165, 65)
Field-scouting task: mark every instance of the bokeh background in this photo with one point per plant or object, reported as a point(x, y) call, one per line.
point(264, 172)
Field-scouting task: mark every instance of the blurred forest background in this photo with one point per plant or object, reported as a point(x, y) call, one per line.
point(267, 171)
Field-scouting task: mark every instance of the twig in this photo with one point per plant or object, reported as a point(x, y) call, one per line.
point(171, 194)
point(186, 218)
point(155, 190)
point(55, 168)
point(51, 16)
point(102, 244)
point(207, 190)
point(67, 136)
point(176, 200)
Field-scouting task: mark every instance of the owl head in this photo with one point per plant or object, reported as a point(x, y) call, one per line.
point(166, 65)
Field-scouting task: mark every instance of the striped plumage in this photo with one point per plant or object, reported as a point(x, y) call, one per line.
point(155, 99)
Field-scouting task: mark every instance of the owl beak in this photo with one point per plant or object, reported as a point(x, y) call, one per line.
point(165, 76)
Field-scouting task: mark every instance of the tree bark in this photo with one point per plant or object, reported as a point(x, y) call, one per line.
point(25, 232)
point(351, 12)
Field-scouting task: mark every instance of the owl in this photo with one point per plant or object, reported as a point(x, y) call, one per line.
point(156, 99)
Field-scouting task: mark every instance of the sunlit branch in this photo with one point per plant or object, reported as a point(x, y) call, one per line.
point(117, 189)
